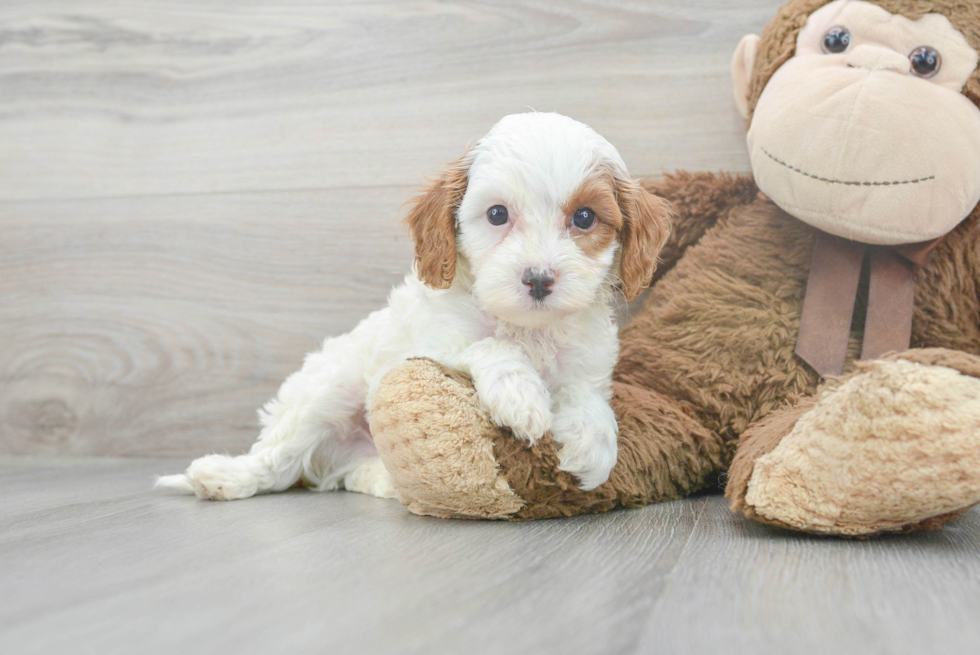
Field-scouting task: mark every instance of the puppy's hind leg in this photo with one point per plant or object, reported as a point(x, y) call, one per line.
point(311, 428)
point(369, 476)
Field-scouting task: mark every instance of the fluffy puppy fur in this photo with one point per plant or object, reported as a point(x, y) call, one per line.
point(514, 284)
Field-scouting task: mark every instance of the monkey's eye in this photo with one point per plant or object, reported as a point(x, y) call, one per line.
point(836, 40)
point(497, 215)
point(583, 218)
point(925, 61)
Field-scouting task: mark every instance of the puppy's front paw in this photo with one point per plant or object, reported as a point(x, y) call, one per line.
point(587, 446)
point(517, 400)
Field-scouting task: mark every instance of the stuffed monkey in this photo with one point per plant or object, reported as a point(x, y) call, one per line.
point(812, 335)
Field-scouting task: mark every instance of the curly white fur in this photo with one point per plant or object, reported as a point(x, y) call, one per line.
point(537, 364)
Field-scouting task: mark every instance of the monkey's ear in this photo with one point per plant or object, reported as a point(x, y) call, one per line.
point(742, 64)
point(432, 222)
point(646, 226)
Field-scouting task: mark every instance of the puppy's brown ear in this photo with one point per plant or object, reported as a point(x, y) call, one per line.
point(646, 226)
point(432, 222)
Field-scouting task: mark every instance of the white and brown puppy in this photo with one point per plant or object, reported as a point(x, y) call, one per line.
point(522, 248)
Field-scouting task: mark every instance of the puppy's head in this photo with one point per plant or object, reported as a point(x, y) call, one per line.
point(544, 218)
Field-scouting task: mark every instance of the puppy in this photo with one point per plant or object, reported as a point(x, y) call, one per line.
point(522, 248)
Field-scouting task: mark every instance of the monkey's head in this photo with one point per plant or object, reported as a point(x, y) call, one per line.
point(864, 116)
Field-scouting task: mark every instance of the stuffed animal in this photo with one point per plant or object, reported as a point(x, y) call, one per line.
point(812, 335)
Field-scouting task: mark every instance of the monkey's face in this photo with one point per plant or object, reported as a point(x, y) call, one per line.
point(864, 132)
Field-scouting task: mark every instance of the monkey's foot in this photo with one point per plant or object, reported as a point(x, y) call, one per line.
point(892, 447)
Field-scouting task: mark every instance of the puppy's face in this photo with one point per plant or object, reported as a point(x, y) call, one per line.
point(544, 218)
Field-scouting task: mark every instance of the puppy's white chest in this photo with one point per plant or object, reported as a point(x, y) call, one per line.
point(542, 347)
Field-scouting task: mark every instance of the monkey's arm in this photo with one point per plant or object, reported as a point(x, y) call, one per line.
point(698, 201)
point(947, 292)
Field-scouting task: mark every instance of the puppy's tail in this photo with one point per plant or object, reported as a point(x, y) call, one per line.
point(180, 482)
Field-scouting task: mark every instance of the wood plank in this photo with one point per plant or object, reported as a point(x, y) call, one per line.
point(760, 589)
point(95, 561)
point(118, 99)
point(134, 327)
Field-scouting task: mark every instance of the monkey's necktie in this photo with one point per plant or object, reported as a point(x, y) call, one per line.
point(828, 307)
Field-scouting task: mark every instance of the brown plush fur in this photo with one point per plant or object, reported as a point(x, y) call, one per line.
point(432, 222)
point(663, 454)
point(778, 41)
point(698, 200)
point(719, 330)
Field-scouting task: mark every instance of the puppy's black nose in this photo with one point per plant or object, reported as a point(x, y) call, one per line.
point(538, 281)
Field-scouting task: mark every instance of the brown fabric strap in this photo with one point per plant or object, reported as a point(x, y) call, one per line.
point(891, 296)
point(918, 253)
point(828, 306)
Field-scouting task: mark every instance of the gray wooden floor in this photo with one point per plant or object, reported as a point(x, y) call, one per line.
point(93, 561)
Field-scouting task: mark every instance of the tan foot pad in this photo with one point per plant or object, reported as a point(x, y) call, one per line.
point(437, 444)
point(895, 446)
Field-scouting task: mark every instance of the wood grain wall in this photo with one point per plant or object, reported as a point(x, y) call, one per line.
point(194, 194)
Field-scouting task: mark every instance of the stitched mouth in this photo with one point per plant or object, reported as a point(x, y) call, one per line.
point(845, 182)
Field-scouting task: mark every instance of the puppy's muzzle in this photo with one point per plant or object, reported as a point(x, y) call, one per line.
point(538, 281)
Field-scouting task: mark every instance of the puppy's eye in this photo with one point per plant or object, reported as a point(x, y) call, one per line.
point(583, 218)
point(836, 40)
point(497, 215)
point(925, 61)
